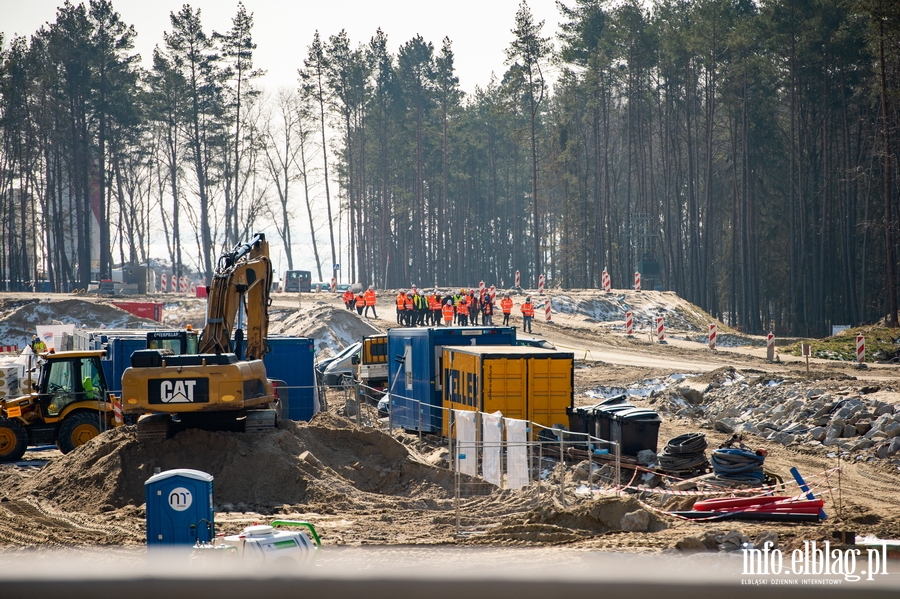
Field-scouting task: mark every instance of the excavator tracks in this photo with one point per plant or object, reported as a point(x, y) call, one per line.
point(153, 428)
point(259, 421)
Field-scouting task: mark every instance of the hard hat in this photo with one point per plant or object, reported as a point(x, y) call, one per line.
point(462, 290)
point(409, 294)
point(371, 286)
point(505, 295)
point(421, 292)
point(414, 286)
point(528, 299)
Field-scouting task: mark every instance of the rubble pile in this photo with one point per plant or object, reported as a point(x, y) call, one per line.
point(791, 413)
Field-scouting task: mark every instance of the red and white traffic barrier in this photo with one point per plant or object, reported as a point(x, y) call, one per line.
point(860, 349)
point(163, 283)
point(493, 292)
point(629, 324)
point(193, 288)
point(480, 288)
point(174, 287)
point(117, 412)
point(333, 284)
point(547, 309)
point(607, 284)
point(637, 281)
point(770, 347)
point(712, 336)
point(541, 285)
point(183, 285)
point(518, 280)
point(660, 329)
point(9, 349)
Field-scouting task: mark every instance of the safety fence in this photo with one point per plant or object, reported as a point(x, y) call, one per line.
point(489, 453)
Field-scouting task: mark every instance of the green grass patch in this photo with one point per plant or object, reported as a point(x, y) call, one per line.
point(881, 344)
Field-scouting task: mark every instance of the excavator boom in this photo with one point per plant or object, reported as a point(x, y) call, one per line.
point(243, 277)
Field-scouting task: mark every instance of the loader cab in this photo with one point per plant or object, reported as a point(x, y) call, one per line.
point(68, 379)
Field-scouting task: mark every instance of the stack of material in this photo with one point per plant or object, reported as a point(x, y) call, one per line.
point(739, 466)
point(684, 455)
point(9, 381)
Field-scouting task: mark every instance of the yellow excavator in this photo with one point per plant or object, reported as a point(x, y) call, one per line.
point(213, 389)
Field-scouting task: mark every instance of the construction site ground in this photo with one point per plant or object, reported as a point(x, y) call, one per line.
point(361, 486)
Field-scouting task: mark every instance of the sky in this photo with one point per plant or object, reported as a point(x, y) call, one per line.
point(283, 29)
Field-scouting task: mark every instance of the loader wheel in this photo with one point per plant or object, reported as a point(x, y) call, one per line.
point(76, 430)
point(13, 440)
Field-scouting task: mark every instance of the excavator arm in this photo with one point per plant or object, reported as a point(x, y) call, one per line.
point(243, 277)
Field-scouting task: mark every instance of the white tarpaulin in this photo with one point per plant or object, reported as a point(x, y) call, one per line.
point(516, 453)
point(490, 457)
point(466, 455)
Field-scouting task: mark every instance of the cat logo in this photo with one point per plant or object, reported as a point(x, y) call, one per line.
point(169, 391)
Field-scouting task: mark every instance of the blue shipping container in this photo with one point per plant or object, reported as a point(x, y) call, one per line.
point(118, 358)
point(292, 360)
point(414, 366)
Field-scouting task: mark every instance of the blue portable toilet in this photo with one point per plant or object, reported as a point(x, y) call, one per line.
point(179, 507)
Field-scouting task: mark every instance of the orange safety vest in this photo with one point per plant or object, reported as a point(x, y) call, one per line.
point(370, 297)
point(487, 308)
point(506, 305)
point(447, 312)
point(433, 303)
point(408, 301)
point(401, 302)
point(360, 301)
point(527, 309)
point(348, 296)
point(463, 305)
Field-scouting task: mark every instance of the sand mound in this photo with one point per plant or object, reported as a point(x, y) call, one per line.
point(327, 461)
point(18, 319)
point(331, 326)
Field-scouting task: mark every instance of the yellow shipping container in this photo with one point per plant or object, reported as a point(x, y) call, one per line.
point(526, 383)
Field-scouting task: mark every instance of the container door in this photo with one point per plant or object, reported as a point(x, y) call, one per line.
point(549, 391)
point(506, 387)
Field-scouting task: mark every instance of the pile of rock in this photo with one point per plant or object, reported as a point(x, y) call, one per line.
point(792, 414)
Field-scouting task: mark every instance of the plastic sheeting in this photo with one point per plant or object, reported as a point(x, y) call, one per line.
point(491, 425)
point(466, 452)
point(516, 453)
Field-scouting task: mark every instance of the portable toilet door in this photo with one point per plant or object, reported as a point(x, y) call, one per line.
point(179, 507)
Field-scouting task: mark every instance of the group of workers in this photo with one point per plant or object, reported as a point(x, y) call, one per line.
point(361, 301)
point(415, 308)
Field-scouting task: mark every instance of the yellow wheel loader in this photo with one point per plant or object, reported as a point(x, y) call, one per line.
point(69, 406)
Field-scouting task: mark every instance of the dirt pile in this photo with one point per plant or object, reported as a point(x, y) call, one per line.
point(325, 462)
point(18, 318)
point(331, 326)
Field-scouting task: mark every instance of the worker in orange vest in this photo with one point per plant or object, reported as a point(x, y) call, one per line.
point(434, 308)
point(487, 310)
point(401, 306)
point(506, 305)
point(462, 311)
point(527, 314)
point(348, 299)
point(447, 312)
point(409, 309)
point(370, 301)
point(360, 304)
